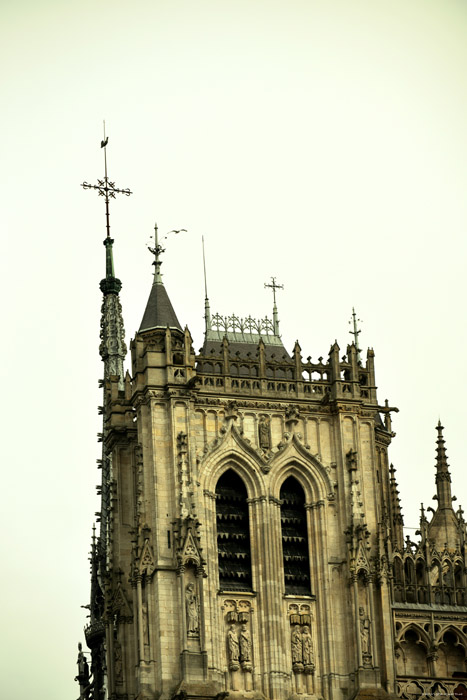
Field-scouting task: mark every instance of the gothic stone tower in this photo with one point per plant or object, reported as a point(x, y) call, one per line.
point(251, 539)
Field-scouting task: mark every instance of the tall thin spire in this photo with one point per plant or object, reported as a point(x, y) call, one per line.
point(112, 348)
point(207, 310)
point(355, 332)
point(443, 476)
point(275, 317)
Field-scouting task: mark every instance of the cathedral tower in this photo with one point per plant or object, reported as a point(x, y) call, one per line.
point(251, 541)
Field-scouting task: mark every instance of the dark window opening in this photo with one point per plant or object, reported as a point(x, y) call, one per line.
point(233, 533)
point(294, 539)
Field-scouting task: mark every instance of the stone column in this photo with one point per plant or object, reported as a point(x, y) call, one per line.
point(357, 620)
point(139, 597)
point(110, 655)
point(373, 637)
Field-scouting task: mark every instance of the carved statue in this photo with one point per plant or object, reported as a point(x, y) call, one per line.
point(307, 647)
point(191, 603)
point(364, 632)
point(297, 648)
point(234, 647)
point(83, 674)
point(118, 662)
point(245, 644)
point(144, 614)
point(264, 433)
point(83, 668)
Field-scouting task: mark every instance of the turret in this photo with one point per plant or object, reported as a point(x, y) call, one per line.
point(444, 529)
point(397, 521)
point(161, 352)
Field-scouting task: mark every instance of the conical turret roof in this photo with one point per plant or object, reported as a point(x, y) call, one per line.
point(159, 311)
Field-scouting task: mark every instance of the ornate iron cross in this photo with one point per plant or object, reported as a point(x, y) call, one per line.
point(105, 187)
point(274, 286)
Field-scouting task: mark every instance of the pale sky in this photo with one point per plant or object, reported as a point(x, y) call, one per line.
point(324, 143)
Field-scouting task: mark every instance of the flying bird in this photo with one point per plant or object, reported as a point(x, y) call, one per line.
point(177, 230)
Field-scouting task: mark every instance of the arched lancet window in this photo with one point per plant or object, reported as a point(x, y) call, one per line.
point(459, 583)
point(409, 571)
point(420, 575)
point(233, 533)
point(294, 538)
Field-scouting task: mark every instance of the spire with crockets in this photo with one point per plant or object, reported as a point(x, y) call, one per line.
point(112, 348)
point(443, 476)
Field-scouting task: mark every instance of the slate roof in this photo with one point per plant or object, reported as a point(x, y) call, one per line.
point(159, 311)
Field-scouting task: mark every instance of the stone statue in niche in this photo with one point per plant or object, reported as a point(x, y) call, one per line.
point(83, 668)
point(364, 633)
point(144, 615)
point(234, 648)
point(245, 645)
point(264, 433)
point(297, 648)
point(118, 662)
point(191, 604)
point(307, 647)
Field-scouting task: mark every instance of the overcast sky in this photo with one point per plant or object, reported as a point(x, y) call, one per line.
point(324, 143)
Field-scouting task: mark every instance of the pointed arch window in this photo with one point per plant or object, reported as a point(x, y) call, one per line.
point(233, 533)
point(294, 539)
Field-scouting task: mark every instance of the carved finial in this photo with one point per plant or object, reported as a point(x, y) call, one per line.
point(157, 251)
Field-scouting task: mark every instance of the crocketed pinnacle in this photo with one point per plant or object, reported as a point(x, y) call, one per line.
point(112, 348)
point(443, 476)
point(397, 520)
point(395, 500)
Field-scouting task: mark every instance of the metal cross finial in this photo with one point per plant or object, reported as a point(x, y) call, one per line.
point(275, 318)
point(356, 331)
point(105, 187)
point(157, 251)
point(274, 286)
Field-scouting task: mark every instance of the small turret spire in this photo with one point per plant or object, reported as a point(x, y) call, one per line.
point(159, 311)
point(275, 317)
point(355, 332)
point(443, 476)
point(157, 251)
point(207, 310)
